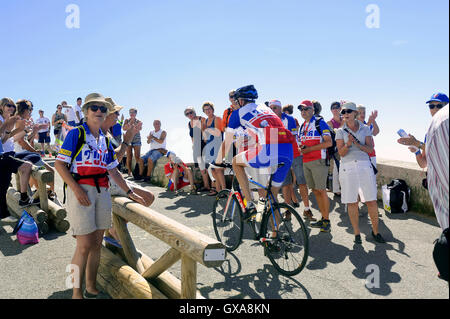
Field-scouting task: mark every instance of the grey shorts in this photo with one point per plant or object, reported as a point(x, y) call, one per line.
point(297, 169)
point(316, 174)
point(85, 220)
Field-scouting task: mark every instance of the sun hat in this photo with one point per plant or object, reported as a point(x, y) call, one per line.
point(349, 106)
point(438, 97)
point(116, 108)
point(96, 98)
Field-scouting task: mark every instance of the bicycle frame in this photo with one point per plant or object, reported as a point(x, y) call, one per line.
point(237, 193)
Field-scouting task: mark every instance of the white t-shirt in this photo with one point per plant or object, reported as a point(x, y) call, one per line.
point(155, 145)
point(70, 114)
point(78, 109)
point(8, 145)
point(43, 120)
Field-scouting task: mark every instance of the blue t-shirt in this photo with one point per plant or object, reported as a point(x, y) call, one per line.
point(116, 130)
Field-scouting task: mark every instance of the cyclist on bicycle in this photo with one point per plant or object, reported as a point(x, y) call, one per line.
point(271, 143)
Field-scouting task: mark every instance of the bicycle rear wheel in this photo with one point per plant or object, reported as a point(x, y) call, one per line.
point(288, 252)
point(227, 220)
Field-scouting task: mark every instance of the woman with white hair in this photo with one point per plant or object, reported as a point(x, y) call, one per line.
point(356, 173)
point(84, 162)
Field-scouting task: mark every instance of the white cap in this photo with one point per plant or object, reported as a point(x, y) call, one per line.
point(275, 102)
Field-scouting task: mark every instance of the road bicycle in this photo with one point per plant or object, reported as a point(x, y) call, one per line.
point(288, 251)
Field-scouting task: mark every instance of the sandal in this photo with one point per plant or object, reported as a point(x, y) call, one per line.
point(203, 189)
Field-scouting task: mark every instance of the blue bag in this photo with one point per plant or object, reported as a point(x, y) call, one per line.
point(26, 230)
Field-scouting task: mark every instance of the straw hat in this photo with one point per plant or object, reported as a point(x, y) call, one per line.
point(116, 108)
point(96, 98)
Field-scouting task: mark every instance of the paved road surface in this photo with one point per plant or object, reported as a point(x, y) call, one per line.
point(335, 269)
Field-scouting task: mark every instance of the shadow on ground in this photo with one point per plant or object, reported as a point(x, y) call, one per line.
point(266, 281)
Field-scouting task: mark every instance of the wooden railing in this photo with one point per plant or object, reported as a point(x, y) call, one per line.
point(187, 245)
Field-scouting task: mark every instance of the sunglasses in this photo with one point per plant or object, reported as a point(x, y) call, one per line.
point(336, 107)
point(117, 113)
point(10, 105)
point(95, 108)
point(188, 113)
point(305, 109)
point(432, 106)
point(346, 111)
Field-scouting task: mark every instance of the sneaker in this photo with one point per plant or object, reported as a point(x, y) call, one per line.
point(318, 224)
point(139, 178)
point(326, 226)
point(358, 239)
point(9, 219)
point(88, 295)
point(296, 205)
point(250, 211)
point(308, 215)
point(378, 238)
point(147, 179)
point(28, 202)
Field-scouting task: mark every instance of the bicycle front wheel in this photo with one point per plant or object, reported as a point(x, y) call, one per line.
point(227, 220)
point(288, 251)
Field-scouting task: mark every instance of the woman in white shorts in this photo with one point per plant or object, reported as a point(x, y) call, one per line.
point(356, 175)
point(88, 198)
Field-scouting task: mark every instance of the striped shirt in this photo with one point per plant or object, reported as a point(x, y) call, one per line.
point(437, 161)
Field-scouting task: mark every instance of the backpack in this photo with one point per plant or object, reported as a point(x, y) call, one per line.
point(26, 230)
point(332, 150)
point(399, 196)
point(80, 143)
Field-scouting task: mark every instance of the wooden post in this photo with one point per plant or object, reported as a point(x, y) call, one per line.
point(166, 282)
point(121, 281)
point(43, 228)
point(188, 277)
point(56, 211)
point(12, 199)
point(43, 177)
point(162, 264)
point(61, 225)
point(43, 197)
point(129, 249)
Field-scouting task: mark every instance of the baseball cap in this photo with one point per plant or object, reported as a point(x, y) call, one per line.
point(349, 106)
point(275, 102)
point(305, 103)
point(438, 97)
point(338, 104)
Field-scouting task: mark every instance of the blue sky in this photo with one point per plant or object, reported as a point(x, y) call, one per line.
point(161, 56)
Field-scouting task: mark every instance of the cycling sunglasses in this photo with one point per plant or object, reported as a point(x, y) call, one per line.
point(432, 106)
point(95, 108)
point(346, 111)
point(305, 108)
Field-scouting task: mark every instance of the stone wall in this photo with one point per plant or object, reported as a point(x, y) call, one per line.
point(413, 175)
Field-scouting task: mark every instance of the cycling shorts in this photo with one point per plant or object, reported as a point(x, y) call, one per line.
point(269, 155)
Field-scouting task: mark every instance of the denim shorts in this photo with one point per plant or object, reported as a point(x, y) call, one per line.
point(154, 155)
